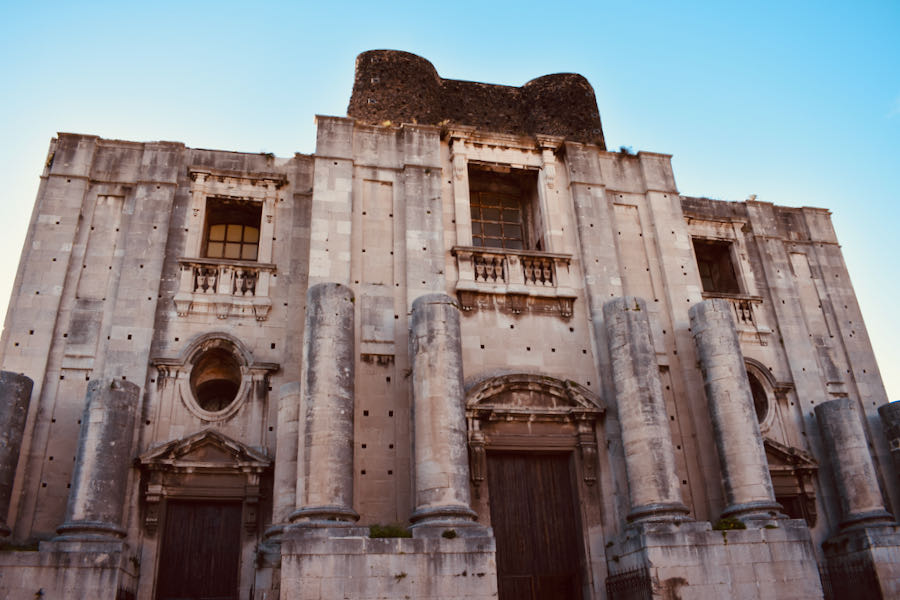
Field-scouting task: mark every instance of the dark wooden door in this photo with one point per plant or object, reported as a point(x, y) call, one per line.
point(535, 521)
point(201, 552)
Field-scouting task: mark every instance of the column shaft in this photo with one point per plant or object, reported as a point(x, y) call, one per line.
point(851, 463)
point(653, 484)
point(745, 469)
point(15, 395)
point(284, 493)
point(97, 498)
point(441, 456)
point(890, 419)
point(327, 398)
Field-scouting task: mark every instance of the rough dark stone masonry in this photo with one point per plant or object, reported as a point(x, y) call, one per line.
point(460, 351)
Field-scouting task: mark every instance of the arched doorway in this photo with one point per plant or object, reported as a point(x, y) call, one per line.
point(532, 442)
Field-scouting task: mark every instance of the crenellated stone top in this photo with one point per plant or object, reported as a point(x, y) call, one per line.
point(400, 87)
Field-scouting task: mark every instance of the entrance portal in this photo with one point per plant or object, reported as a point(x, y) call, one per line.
point(201, 551)
point(534, 517)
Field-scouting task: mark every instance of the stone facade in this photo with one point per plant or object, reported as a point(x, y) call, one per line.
point(461, 323)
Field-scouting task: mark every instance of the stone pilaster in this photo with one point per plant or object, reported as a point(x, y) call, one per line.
point(852, 466)
point(890, 419)
point(15, 395)
point(745, 471)
point(97, 497)
point(325, 454)
point(649, 458)
point(441, 457)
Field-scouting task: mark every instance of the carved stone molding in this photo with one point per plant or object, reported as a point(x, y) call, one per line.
point(503, 412)
point(206, 465)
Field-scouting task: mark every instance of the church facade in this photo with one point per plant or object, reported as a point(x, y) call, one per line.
point(463, 350)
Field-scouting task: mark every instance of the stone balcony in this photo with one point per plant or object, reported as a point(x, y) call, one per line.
point(226, 288)
point(514, 281)
point(749, 317)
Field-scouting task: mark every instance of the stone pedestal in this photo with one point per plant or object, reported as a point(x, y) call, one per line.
point(745, 470)
point(325, 563)
point(99, 483)
point(15, 395)
point(441, 455)
point(653, 484)
point(691, 560)
point(324, 490)
point(854, 472)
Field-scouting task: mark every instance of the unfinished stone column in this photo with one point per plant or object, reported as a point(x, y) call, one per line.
point(97, 497)
point(851, 463)
point(890, 419)
point(325, 454)
point(15, 395)
point(745, 471)
point(441, 456)
point(649, 459)
point(284, 492)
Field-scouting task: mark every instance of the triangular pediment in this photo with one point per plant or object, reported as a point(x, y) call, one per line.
point(780, 454)
point(205, 449)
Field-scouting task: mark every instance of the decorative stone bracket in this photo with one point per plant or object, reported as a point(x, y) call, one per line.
point(514, 281)
point(224, 287)
point(204, 466)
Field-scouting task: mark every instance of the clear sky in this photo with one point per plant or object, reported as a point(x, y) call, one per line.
point(796, 102)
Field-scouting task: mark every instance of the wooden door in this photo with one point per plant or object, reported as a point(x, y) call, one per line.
point(535, 520)
point(201, 551)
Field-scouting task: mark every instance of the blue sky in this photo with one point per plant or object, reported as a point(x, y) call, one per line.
point(798, 103)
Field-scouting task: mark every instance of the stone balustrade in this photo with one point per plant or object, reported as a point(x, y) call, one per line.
point(514, 280)
point(224, 287)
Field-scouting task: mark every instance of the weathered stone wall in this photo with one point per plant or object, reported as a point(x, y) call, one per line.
point(400, 87)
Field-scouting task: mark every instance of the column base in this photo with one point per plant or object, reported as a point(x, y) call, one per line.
point(328, 516)
point(867, 519)
point(89, 531)
point(453, 515)
point(757, 513)
point(663, 512)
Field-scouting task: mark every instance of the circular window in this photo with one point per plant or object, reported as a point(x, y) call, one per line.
point(760, 398)
point(215, 380)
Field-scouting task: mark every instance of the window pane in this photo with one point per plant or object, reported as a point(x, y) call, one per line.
point(477, 242)
point(249, 252)
point(510, 202)
point(514, 244)
point(492, 229)
point(511, 215)
point(512, 231)
point(217, 233)
point(493, 242)
point(476, 228)
point(214, 250)
point(232, 251)
point(234, 233)
point(251, 234)
point(490, 214)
